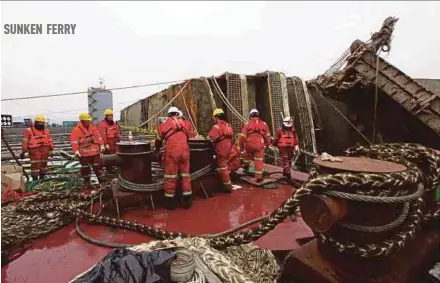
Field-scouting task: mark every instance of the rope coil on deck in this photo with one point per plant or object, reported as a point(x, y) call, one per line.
point(70, 204)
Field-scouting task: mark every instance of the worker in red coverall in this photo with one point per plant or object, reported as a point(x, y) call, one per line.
point(38, 142)
point(174, 133)
point(227, 154)
point(286, 139)
point(87, 145)
point(110, 134)
point(254, 136)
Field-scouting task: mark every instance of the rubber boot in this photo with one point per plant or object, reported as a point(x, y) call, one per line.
point(170, 203)
point(187, 201)
point(287, 176)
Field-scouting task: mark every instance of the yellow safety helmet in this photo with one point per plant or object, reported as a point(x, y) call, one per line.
point(85, 117)
point(108, 112)
point(40, 118)
point(217, 112)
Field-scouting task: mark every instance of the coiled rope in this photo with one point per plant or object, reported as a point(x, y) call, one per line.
point(384, 185)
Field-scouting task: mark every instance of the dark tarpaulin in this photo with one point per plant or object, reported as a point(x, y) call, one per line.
point(127, 266)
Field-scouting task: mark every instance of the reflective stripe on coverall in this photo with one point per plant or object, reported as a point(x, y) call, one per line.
point(38, 144)
point(174, 132)
point(253, 137)
point(88, 142)
point(286, 142)
point(227, 154)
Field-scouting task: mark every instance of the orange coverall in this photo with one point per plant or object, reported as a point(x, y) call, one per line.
point(38, 144)
point(227, 154)
point(286, 140)
point(88, 142)
point(174, 132)
point(110, 135)
point(253, 137)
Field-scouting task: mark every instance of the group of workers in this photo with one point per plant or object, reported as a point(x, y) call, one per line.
point(175, 132)
point(89, 142)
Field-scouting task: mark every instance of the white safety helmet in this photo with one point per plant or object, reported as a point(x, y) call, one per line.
point(180, 113)
point(254, 111)
point(173, 109)
point(287, 122)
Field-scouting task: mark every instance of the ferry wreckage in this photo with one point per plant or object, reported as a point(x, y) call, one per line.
point(375, 219)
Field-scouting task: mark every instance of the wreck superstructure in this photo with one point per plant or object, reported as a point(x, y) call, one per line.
point(361, 99)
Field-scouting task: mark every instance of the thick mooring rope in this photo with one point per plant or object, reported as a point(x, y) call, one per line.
point(405, 184)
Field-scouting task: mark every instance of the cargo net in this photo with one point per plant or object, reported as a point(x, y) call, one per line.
point(277, 93)
point(307, 138)
point(234, 94)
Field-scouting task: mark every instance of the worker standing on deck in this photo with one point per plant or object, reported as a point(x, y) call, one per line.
point(87, 145)
point(174, 133)
point(110, 134)
point(227, 154)
point(253, 137)
point(38, 142)
point(286, 139)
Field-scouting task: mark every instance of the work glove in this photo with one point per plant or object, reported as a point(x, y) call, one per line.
point(107, 147)
point(296, 148)
point(102, 148)
point(77, 154)
point(22, 155)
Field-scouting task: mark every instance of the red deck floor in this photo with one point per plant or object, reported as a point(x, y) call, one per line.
point(62, 255)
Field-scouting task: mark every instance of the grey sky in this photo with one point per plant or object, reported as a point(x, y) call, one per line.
point(131, 43)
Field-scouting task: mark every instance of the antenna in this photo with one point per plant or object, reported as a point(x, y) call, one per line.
point(101, 83)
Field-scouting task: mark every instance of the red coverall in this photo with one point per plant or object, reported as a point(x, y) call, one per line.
point(110, 135)
point(38, 144)
point(227, 154)
point(174, 132)
point(286, 142)
point(253, 137)
point(88, 142)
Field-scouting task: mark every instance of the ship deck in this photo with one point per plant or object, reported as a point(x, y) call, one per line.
point(62, 255)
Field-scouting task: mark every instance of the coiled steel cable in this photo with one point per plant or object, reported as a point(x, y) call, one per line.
point(381, 228)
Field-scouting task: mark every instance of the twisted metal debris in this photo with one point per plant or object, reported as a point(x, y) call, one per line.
point(423, 168)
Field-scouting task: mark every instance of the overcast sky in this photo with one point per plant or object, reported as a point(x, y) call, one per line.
point(130, 43)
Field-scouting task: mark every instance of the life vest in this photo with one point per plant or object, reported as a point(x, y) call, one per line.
point(257, 126)
point(288, 138)
point(111, 131)
point(225, 132)
point(88, 140)
point(38, 138)
point(178, 126)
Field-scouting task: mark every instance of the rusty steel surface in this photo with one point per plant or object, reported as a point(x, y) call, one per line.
point(361, 164)
point(136, 162)
point(322, 212)
point(311, 263)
